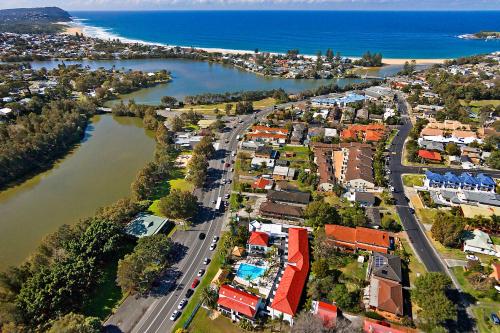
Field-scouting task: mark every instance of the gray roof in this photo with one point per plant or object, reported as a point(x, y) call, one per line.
point(373, 214)
point(431, 145)
point(387, 266)
point(289, 196)
point(145, 225)
point(487, 198)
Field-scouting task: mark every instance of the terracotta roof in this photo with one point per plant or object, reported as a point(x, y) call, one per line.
point(328, 313)
point(429, 155)
point(359, 237)
point(390, 296)
point(464, 134)
point(261, 183)
point(258, 238)
point(496, 271)
point(375, 326)
point(371, 132)
point(292, 282)
point(269, 129)
point(431, 132)
point(238, 300)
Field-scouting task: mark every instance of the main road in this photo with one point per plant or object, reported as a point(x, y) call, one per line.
point(151, 313)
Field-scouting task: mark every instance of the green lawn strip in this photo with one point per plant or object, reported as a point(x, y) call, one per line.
point(212, 269)
point(495, 239)
point(413, 180)
point(415, 266)
point(209, 108)
point(355, 270)
point(426, 215)
point(107, 294)
point(482, 314)
point(203, 324)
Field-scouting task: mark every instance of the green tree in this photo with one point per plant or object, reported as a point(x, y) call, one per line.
point(169, 101)
point(448, 229)
point(179, 205)
point(318, 213)
point(494, 159)
point(452, 149)
point(177, 124)
point(75, 323)
point(138, 270)
point(209, 297)
point(429, 294)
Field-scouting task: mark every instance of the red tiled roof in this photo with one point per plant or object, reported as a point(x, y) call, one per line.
point(328, 314)
point(258, 238)
point(371, 132)
point(390, 296)
point(359, 237)
point(261, 183)
point(238, 300)
point(374, 326)
point(269, 129)
point(429, 155)
point(292, 282)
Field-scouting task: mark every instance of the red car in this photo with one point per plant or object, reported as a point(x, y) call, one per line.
point(195, 283)
point(227, 165)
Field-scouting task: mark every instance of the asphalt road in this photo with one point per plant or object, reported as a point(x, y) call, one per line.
point(151, 313)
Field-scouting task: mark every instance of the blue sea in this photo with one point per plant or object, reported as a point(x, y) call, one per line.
point(402, 34)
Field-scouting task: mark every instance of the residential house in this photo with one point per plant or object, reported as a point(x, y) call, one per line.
point(285, 301)
point(386, 297)
point(464, 181)
point(298, 133)
point(262, 184)
point(364, 199)
point(238, 304)
point(430, 156)
point(295, 198)
point(283, 173)
point(480, 242)
point(367, 133)
point(386, 266)
point(262, 163)
point(359, 238)
point(281, 211)
point(430, 145)
point(258, 243)
point(273, 135)
point(265, 152)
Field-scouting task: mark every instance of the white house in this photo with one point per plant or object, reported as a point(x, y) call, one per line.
point(480, 242)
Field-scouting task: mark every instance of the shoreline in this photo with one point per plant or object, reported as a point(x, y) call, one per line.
point(73, 27)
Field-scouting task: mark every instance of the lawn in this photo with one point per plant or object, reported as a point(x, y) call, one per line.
point(107, 295)
point(212, 269)
point(482, 313)
point(415, 267)
point(203, 324)
point(301, 153)
point(413, 180)
point(355, 270)
point(426, 215)
point(209, 108)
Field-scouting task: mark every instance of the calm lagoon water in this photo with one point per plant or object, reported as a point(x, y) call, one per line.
point(98, 172)
point(197, 77)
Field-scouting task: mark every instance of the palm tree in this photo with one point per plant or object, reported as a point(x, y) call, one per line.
point(208, 297)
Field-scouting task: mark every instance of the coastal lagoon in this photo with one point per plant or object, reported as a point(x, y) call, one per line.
point(197, 77)
point(96, 173)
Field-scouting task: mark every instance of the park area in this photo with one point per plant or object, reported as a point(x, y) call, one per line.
point(209, 108)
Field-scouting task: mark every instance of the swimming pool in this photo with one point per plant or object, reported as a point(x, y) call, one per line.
point(246, 271)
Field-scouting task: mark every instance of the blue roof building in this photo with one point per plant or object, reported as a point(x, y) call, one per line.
point(465, 181)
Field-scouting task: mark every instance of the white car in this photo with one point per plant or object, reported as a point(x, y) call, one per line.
point(471, 257)
point(212, 246)
point(206, 261)
point(201, 272)
point(174, 315)
point(182, 304)
point(215, 239)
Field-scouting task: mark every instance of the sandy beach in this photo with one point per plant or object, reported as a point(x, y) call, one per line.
point(74, 27)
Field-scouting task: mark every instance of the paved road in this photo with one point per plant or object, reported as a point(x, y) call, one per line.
point(151, 314)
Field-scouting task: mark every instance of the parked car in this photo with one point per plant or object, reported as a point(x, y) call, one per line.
point(471, 257)
point(227, 165)
point(201, 235)
point(201, 272)
point(226, 196)
point(175, 315)
point(182, 303)
point(195, 283)
point(206, 261)
point(189, 293)
point(495, 319)
point(212, 246)
point(215, 239)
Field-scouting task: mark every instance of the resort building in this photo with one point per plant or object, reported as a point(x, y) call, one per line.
point(286, 298)
point(359, 238)
point(258, 243)
point(238, 304)
point(326, 312)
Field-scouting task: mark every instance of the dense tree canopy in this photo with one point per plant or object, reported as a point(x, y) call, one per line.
point(179, 205)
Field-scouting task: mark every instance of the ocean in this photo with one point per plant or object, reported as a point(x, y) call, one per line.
point(415, 35)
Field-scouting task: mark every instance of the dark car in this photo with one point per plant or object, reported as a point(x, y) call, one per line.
point(495, 319)
point(189, 293)
point(201, 236)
